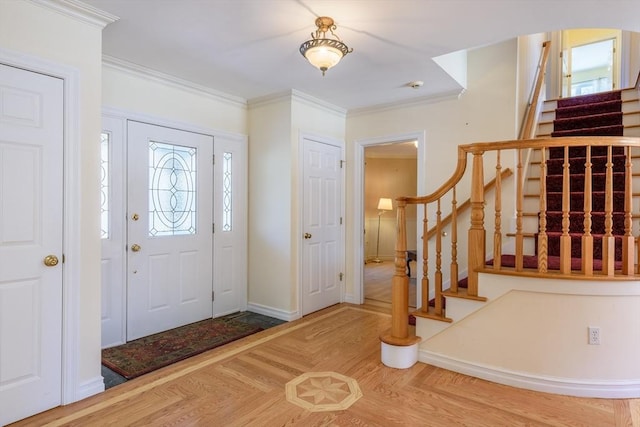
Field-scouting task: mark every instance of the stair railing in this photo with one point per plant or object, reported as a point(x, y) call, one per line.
point(476, 242)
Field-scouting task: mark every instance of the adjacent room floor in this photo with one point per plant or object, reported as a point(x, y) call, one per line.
point(377, 283)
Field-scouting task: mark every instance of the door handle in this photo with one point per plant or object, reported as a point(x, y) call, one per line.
point(50, 260)
point(307, 235)
point(135, 247)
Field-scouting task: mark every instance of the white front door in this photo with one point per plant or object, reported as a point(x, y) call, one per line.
point(230, 212)
point(321, 226)
point(170, 221)
point(31, 218)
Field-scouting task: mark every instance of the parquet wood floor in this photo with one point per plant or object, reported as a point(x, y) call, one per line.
point(243, 384)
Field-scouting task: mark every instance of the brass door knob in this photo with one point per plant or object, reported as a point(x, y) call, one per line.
point(50, 260)
point(135, 247)
point(307, 235)
point(135, 217)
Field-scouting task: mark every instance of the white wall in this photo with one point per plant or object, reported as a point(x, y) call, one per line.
point(141, 93)
point(42, 33)
point(270, 175)
point(275, 125)
point(485, 112)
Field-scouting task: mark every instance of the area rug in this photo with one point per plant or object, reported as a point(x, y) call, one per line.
point(147, 354)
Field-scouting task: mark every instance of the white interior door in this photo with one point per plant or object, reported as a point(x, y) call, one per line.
point(31, 218)
point(170, 221)
point(230, 238)
point(321, 225)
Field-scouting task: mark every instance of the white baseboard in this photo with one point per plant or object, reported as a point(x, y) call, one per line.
point(89, 388)
point(350, 298)
point(597, 388)
point(287, 316)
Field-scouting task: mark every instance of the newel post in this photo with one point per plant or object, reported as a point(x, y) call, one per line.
point(477, 233)
point(399, 347)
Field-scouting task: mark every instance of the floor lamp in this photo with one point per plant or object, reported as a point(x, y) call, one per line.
point(383, 205)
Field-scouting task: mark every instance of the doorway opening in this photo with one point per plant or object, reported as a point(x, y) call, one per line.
point(590, 61)
point(390, 171)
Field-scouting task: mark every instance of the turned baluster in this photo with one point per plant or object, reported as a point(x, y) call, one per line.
point(454, 244)
point(565, 238)
point(543, 242)
point(587, 238)
point(424, 297)
point(628, 239)
point(438, 273)
point(608, 241)
point(497, 234)
point(519, 236)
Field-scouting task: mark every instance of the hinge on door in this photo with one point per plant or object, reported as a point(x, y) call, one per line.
point(213, 159)
point(341, 276)
point(213, 296)
point(340, 220)
point(213, 227)
point(341, 163)
point(63, 258)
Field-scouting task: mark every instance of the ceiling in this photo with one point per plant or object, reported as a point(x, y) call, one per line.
point(249, 48)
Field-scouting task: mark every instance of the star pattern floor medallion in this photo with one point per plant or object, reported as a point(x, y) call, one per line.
point(323, 391)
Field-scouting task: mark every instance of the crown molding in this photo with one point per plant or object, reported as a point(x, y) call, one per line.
point(302, 97)
point(423, 100)
point(169, 80)
point(79, 11)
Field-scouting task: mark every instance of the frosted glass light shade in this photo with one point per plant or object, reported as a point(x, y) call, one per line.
point(323, 57)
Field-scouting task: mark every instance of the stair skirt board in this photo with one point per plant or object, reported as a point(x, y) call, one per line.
point(564, 386)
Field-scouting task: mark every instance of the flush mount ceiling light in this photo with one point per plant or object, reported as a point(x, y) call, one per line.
point(321, 52)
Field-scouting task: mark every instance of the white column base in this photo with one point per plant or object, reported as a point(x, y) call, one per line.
point(399, 357)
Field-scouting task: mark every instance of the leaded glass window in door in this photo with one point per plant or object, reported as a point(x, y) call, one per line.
point(172, 189)
point(105, 140)
point(227, 193)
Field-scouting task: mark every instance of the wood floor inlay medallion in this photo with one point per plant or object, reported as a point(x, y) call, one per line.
point(323, 391)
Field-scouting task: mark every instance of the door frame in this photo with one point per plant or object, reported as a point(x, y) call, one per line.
point(71, 390)
point(358, 208)
point(297, 229)
point(124, 115)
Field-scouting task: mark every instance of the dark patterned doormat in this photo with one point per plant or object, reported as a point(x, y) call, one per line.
point(147, 354)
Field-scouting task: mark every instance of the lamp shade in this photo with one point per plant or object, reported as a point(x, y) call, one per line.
point(385, 204)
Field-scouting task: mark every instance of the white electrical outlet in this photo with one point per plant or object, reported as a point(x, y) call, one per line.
point(594, 335)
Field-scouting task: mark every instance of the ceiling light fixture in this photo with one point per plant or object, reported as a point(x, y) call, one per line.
point(321, 52)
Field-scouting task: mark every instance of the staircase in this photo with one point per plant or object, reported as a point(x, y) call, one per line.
point(615, 113)
point(480, 339)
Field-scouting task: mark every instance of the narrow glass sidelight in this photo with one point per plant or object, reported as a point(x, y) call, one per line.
point(172, 189)
point(227, 192)
point(105, 145)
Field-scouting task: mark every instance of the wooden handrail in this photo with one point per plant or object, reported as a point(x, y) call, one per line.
point(533, 106)
point(467, 203)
